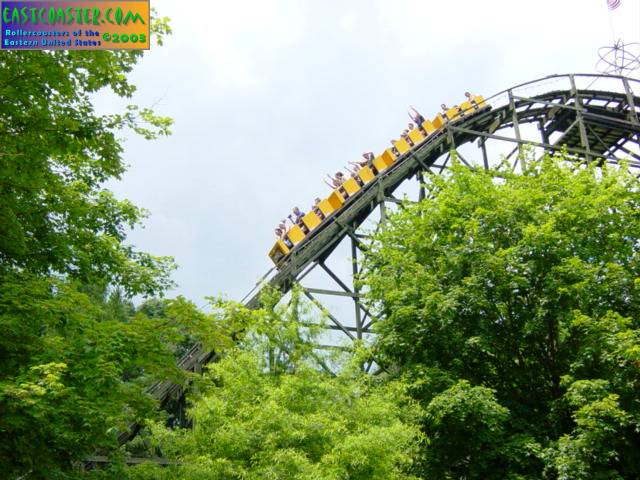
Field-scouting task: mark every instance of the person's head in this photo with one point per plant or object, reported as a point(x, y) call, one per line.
point(410, 126)
point(316, 201)
point(443, 106)
point(467, 94)
point(339, 174)
point(296, 210)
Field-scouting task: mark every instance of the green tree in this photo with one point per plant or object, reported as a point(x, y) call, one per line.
point(75, 373)
point(75, 358)
point(56, 153)
point(465, 425)
point(526, 287)
point(266, 410)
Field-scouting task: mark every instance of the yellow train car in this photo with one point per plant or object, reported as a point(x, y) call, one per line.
point(402, 146)
point(326, 207)
point(367, 174)
point(476, 103)
point(295, 235)
point(384, 161)
point(467, 108)
point(429, 127)
point(336, 199)
point(452, 113)
point(416, 136)
point(278, 252)
point(438, 122)
point(351, 187)
point(480, 101)
point(311, 221)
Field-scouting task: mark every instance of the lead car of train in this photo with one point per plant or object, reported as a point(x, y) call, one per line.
point(330, 206)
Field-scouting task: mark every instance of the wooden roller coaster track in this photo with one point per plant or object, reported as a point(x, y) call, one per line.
point(593, 124)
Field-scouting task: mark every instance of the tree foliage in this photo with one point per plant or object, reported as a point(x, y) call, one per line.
point(267, 410)
point(250, 424)
point(511, 304)
point(56, 152)
point(75, 356)
point(64, 363)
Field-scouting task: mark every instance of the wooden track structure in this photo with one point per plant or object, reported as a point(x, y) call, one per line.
point(551, 114)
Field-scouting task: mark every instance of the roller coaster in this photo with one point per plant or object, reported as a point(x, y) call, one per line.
point(594, 118)
point(350, 189)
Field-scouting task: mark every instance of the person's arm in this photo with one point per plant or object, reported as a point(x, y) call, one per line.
point(330, 185)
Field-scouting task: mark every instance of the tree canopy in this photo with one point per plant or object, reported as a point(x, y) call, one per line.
point(56, 154)
point(268, 409)
point(75, 355)
point(304, 425)
point(510, 304)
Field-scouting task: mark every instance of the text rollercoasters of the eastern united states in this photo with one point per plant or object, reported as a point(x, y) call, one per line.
point(46, 42)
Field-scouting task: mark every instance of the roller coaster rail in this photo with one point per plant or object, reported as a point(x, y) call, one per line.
point(589, 130)
point(590, 124)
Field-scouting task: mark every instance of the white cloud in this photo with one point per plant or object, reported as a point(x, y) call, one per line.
point(234, 39)
point(348, 20)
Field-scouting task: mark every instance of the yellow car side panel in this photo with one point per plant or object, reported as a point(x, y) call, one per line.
point(366, 175)
point(452, 113)
point(335, 199)
point(428, 127)
point(467, 108)
point(480, 101)
point(295, 234)
point(438, 121)
point(311, 220)
point(416, 136)
point(380, 164)
point(326, 207)
point(278, 251)
point(351, 186)
point(402, 146)
point(388, 157)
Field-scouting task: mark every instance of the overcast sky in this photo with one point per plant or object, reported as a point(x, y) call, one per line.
point(269, 96)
